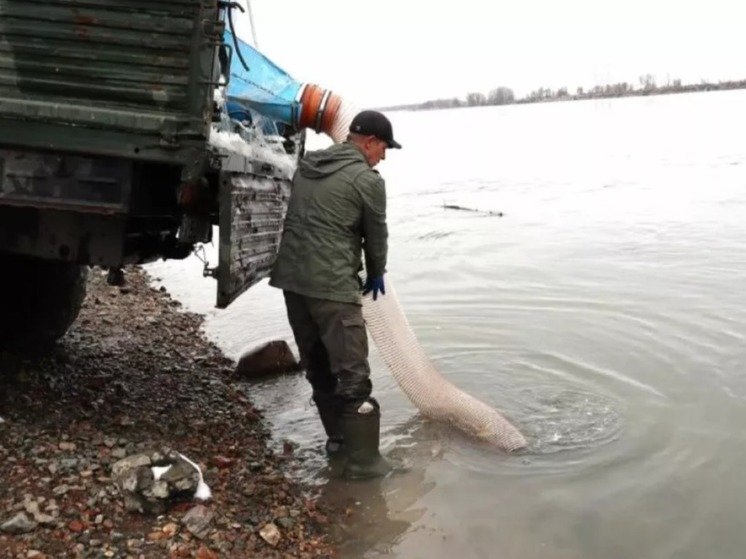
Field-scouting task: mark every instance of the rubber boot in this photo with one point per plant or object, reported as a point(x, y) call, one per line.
point(361, 433)
point(330, 412)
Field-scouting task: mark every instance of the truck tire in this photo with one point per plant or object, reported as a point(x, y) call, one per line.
point(39, 301)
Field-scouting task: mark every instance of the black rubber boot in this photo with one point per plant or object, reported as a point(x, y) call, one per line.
point(361, 433)
point(330, 411)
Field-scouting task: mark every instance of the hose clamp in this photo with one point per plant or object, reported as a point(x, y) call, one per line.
point(322, 108)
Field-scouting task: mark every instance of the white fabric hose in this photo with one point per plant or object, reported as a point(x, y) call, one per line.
point(436, 397)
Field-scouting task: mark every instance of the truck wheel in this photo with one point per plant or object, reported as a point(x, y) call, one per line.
point(39, 300)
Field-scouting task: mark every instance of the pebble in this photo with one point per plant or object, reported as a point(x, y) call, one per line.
point(118, 453)
point(270, 534)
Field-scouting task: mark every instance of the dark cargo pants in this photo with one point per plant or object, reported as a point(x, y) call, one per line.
point(333, 345)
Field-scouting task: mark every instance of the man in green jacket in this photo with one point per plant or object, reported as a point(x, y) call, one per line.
point(337, 213)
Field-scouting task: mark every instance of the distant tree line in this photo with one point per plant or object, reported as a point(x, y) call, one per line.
point(498, 96)
point(504, 95)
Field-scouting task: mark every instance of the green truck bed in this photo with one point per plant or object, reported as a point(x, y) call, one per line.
point(117, 78)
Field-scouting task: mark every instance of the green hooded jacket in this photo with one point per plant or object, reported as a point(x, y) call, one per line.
point(337, 211)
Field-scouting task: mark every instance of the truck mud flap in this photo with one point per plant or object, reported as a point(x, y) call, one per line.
point(252, 211)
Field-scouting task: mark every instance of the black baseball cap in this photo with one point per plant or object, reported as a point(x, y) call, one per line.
point(373, 123)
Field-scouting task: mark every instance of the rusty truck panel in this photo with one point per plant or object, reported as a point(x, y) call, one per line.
point(252, 212)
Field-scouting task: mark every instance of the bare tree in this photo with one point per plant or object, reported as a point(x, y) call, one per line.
point(647, 82)
point(476, 99)
point(501, 96)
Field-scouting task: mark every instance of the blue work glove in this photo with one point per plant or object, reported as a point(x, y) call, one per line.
point(375, 285)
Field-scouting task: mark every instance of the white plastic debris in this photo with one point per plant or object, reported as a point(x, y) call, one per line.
point(234, 143)
point(219, 96)
point(203, 492)
point(158, 471)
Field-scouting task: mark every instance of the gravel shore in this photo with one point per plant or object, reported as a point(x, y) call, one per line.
point(135, 373)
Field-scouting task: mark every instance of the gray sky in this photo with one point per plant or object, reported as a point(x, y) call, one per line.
point(399, 51)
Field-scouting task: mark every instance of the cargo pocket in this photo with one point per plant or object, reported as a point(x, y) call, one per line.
point(355, 346)
point(354, 373)
point(355, 339)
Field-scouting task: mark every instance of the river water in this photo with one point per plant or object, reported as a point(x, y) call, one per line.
point(603, 313)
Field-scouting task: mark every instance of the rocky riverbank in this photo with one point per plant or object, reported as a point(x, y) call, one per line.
point(136, 375)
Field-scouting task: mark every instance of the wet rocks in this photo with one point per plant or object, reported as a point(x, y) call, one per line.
point(271, 358)
point(133, 380)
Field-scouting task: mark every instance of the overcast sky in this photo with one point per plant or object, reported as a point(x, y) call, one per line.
point(386, 52)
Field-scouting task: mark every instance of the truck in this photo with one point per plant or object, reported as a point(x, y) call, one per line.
point(116, 148)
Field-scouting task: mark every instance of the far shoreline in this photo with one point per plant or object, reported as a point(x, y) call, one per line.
point(589, 96)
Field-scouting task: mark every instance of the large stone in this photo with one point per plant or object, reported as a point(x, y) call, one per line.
point(271, 358)
point(130, 463)
point(198, 521)
point(152, 482)
point(181, 476)
point(19, 524)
